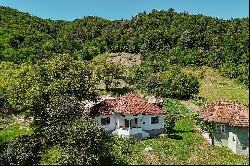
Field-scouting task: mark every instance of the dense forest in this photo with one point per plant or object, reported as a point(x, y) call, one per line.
point(47, 70)
point(165, 37)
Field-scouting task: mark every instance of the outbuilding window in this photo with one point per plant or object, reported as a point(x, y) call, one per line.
point(220, 128)
point(154, 120)
point(105, 121)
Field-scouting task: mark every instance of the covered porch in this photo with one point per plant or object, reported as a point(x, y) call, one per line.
point(127, 125)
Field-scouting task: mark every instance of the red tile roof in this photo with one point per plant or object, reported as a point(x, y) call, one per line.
point(226, 112)
point(105, 107)
point(127, 104)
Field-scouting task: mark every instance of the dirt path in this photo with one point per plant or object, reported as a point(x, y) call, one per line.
point(190, 105)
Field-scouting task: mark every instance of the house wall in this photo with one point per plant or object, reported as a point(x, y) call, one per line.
point(112, 124)
point(232, 139)
point(242, 141)
point(121, 119)
point(235, 138)
point(143, 120)
point(221, 138)
point(153, 129)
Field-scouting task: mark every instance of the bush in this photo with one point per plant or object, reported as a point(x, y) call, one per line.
point(178, 85)
point(170, 120)
point(23, 150)
point(84, 143)
point(199, 100)
point(175, 111)
point(168, 83)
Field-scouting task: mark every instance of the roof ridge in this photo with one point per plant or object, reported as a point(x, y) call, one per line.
point(226, 111)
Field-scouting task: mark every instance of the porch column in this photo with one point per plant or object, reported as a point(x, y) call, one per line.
point(129, 121)
point(118, 122)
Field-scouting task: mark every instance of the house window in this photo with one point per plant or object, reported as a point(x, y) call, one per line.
point(135, 120)
point(220, 128)
point(105, 121)
point(154, 120)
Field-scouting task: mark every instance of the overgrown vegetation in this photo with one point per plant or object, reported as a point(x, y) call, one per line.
point(51, 92)
point(47, 68)
point(167, 37)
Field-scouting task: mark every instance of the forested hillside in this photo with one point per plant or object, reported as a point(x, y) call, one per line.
point(162, 37)
point(50, 68)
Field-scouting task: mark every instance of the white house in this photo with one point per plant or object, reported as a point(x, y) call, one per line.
point(129, 115)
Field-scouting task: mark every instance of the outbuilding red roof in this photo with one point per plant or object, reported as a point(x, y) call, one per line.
point(226, 112)
point(129, 103)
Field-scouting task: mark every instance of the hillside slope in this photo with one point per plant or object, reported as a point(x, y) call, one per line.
point(165, 36)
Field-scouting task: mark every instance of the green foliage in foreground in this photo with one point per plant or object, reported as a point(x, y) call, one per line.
point(52, 91)
point(80, 142)
point(23, 150)
point(30, 87)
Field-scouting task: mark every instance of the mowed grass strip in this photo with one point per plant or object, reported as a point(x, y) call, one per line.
point(12, 131)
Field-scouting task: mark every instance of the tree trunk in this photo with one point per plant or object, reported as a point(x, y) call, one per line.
point(212, 137)
point(107, 86)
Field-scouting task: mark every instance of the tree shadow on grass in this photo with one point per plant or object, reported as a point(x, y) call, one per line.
point(175, 133)
point(175, 136)
point(110, 160)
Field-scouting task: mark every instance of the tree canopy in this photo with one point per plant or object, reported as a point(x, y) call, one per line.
point(179, 38)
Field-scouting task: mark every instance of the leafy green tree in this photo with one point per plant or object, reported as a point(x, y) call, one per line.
point(53, 92)
point(206, 127)
point(110, 73)
point(23, 150)
point(84, 143)
point(34, 85)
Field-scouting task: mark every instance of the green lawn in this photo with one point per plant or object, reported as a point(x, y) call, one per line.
point(184, 146)
point(51, 156)
point(12, 129)
point(214, 86)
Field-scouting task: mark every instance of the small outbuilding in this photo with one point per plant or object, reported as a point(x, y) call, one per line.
point(231, 123)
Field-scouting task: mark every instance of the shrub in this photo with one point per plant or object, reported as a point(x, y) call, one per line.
point(23, 150)
point(178, 85)
point(84, 143)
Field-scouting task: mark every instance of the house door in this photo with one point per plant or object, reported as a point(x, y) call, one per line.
point(126, 123)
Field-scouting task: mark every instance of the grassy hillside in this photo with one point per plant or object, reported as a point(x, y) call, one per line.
point(176, 38)
point(213, 86)
point(48, 67)
point(185, 146)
